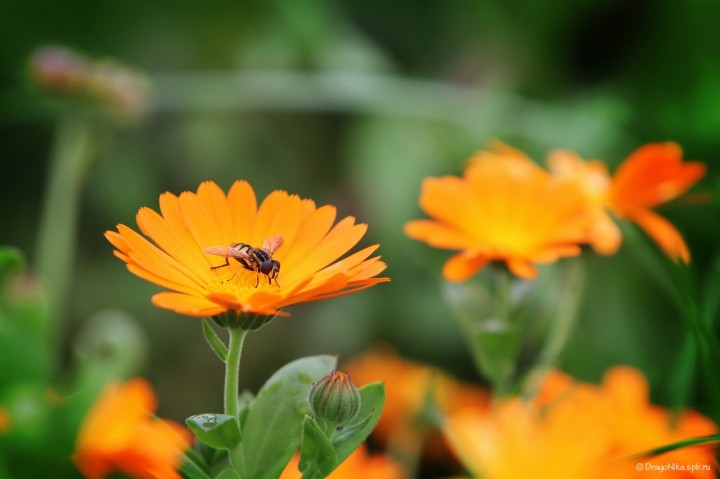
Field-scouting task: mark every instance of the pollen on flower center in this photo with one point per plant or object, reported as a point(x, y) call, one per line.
point(239, 282)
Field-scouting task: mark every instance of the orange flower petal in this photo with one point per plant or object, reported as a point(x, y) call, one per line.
point(279, 214)
point(436, 234)
point(201, 222)
point(175, 242)
point(142, 252)
point(312, 230)
point(522, 268)
point(662, 232)
point(655, 173)
point(606, 237)
point(517, 437)
point(504, 208)
point(336, 243)
point(120, 434)
point(186, 304)
point(243, 209)
point(463, 265)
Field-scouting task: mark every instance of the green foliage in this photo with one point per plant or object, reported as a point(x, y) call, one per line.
point(219, 431)
point(324, 450)
point(23, 324)
point(353, 434)
point(317, 454)
point(275, 424)
point(272, 430)
point(214, 341)
point(335, 99)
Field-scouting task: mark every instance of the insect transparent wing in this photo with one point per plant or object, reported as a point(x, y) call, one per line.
point(272, 243)
point(226, 252)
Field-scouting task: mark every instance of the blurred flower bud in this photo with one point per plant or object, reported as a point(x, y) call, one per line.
point(104, 83)
point(120, 87)
point(335, 398)
point(58, 69)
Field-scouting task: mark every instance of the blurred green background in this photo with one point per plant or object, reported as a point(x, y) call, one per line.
point(353, 103)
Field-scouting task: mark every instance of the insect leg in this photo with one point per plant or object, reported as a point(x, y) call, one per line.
point(227, 263)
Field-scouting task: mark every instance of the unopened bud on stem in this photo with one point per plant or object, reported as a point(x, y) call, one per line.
point(335, 399)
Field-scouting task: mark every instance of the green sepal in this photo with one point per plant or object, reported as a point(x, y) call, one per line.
point(317, 454)
point(216, 344)
point(274, 422)
point(219, 431)
point(242, 320)
point(349, 438)
point(228, 474)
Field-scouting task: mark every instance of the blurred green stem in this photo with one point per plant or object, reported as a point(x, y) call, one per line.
point(75, 148)
point(698, 306)
point(562, 326)
point(504, 314)
point(487, 319)
point(467, 107)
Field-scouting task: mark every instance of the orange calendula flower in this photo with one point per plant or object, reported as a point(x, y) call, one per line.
point(505, 208)
point(516, 439)
point(652, 175)
point(578, 430)
point(637, 425)
point(239, 237)
point(121, 434)
point(408, 385)
point(359, 465)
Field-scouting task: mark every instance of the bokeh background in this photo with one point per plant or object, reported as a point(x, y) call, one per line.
point(353, 103)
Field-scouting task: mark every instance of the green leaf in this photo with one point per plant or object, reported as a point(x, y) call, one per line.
point(244, 401)
point(695, 441)
point(317, 454)
point(216, 344)
point(353, 434)
point(190, 469)
point(219, 431)
point(274, 422)
point(228, 474)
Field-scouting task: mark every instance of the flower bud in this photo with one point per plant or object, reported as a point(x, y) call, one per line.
point(58, 69)
point(334, 398)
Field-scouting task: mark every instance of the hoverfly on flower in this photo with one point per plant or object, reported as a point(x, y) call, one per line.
point(251, 258)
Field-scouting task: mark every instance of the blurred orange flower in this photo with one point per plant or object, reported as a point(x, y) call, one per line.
point(310, 252)
point(637, 426)
point(577, 430)
point(517, 439)
point(408, 385)
point(504, 208)
point(121, 434)
point(359, 465)
point(652, 175)
point(4, 420)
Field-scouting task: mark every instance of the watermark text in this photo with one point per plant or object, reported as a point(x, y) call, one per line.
point(671, 466)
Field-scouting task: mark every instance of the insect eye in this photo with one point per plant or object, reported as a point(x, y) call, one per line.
point(266, 267)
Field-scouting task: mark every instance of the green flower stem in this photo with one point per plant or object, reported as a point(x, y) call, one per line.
point(502, 381)
point(76, 146)
point(232, 369)
point(560, 328)
point(486, 314)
